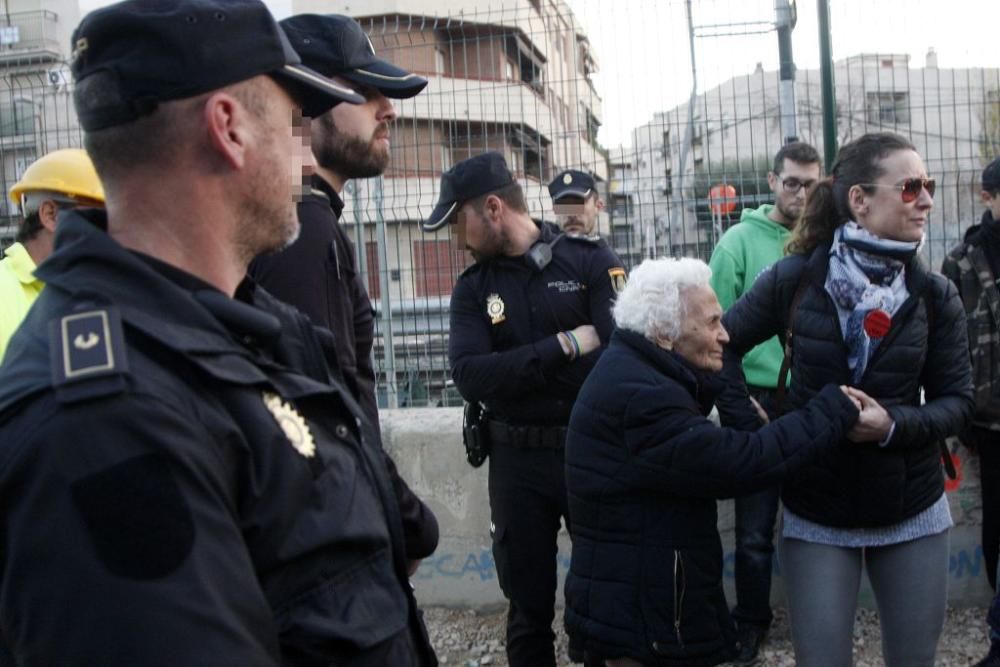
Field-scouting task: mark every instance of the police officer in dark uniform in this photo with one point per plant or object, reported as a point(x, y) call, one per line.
point(317, 273)
point(577, 202)
point(528, 321)
point(183, 479)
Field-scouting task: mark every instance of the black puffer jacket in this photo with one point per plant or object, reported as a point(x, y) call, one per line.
point(869, 485)
point(643, 469)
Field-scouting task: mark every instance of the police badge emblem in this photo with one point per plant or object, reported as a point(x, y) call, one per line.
point(292, 423)
point(618, 279)
point(567, 179)
point(494, 308)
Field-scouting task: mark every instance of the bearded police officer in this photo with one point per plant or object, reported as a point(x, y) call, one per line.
point(317, 273)
point(528, 321)
point(183, 479)
point(576, 202)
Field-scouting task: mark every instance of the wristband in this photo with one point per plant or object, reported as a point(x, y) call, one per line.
point(566, 344)
point(576, 344)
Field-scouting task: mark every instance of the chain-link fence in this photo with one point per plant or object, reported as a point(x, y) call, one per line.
point(661, 100)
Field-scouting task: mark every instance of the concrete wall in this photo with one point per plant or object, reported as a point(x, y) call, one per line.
point(427, 446)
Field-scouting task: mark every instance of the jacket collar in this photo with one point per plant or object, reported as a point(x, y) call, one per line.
point(20, 263)
point(89, 264)
point(324, 189)
point(703, 386)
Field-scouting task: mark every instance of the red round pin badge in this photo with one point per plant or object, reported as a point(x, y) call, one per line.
point(877, 323)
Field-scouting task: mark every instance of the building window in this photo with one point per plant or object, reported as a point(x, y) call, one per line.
point(439, 61)
point(371, 255)
point(17, 118)
point(445, 158)
point(436, 265)
point(665, 148)
point(668, 181)
point(889, 108)
point(508, 70)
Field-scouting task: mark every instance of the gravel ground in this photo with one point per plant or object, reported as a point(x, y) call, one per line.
point(471, 639)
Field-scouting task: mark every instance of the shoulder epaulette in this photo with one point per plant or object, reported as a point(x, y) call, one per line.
point(87, 354)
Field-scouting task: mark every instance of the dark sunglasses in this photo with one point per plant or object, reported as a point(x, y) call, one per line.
point(910, 189)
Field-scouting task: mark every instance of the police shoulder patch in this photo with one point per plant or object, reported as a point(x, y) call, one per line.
point(618, 279)
point(87, 354)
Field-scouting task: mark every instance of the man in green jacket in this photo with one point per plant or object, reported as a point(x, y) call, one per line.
point(743, 252)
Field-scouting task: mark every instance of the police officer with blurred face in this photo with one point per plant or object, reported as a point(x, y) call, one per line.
point(528, 322)
point(576, 202)
point(317, 273)
point(183, 479)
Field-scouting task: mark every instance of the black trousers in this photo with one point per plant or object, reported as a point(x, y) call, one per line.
point(756, 516)
point(527, 501)
point(988, 445)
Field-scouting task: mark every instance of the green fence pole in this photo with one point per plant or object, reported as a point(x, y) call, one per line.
point(826, 82)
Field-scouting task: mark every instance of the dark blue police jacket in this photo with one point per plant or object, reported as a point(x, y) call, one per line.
point(505, 314)
point(183, 482)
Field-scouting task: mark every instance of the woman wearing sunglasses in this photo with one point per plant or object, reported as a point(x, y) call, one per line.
point(858, 306)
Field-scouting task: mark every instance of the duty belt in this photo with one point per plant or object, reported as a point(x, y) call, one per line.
point(527, 436)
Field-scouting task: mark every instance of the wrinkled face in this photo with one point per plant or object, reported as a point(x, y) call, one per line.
point(474, 232)
point(352, 140)
point(281, 167)
point(578, 215)
point(702, 336)
point(791, 187)
point(882, 210)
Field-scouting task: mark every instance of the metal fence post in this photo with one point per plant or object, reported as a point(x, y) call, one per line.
point(391, 386)
point(826, 84)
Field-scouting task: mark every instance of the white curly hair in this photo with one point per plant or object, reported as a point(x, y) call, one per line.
point(652, 303)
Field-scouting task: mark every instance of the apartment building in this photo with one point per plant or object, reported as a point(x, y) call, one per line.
point(36, 106)
point(733, 130)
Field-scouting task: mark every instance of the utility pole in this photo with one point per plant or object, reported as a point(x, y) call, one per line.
point(826, 84)
point(785, 18)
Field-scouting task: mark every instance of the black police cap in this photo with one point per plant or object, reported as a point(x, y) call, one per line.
point(152, 51)
point(991, 176)
point(467, 180)
point(337, 45)
point(571, 183)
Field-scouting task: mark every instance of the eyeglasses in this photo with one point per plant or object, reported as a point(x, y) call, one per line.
point(793, 185)
point(910, 189)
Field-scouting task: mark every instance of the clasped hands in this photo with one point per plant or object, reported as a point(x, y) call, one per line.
point(873, 424)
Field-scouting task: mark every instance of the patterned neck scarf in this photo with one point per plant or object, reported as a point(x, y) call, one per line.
point(866, 273)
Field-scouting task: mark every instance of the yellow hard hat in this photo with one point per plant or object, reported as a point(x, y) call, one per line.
point(66, 172)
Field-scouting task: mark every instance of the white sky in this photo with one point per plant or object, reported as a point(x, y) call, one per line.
point(643, 50)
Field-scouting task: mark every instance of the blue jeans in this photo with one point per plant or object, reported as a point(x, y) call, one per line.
point(756, 515)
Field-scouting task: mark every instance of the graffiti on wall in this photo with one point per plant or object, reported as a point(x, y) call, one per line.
point(479, 566)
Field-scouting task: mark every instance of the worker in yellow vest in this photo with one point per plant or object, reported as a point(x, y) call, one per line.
point(59, 180)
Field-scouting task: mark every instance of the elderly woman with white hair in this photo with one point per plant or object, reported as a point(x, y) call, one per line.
point(644, 466)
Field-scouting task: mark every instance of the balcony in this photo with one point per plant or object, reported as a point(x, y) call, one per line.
point(29, 38)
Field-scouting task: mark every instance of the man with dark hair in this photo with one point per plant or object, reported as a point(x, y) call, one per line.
point(184, 479)
point(974, 265)
point(60, 180)
point(318, 273)
point(528, 321)
point(743, 252)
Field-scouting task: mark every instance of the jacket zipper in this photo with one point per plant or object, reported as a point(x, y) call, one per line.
point(679, 587)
